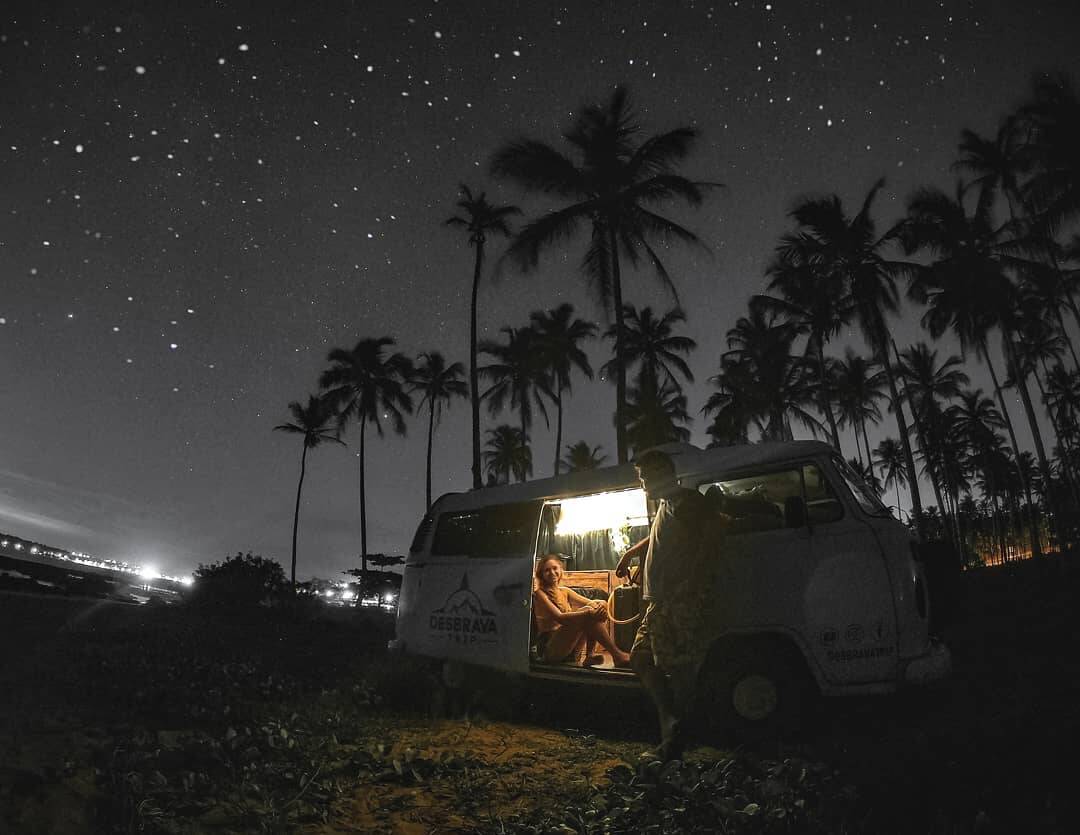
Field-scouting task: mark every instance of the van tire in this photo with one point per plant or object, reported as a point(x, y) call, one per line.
point(755, 689)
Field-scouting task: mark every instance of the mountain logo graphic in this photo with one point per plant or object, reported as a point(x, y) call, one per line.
point(463, 617)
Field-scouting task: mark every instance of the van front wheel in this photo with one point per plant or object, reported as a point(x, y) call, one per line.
point(755, 690)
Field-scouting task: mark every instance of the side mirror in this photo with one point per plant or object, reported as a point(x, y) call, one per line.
point(794, 512)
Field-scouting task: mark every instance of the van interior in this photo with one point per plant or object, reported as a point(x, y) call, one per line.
point(591, 533)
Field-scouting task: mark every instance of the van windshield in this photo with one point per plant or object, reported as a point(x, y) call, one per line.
point(867, 499)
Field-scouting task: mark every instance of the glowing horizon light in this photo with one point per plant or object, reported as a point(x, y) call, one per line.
point(149, 572)
point(603, 511)
point(188, 581)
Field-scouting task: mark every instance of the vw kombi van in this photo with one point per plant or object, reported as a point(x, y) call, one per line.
point(816, 587)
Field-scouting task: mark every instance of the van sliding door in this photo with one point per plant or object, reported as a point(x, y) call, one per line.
point(474, 601)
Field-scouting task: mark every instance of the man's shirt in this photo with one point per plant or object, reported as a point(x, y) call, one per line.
point(677, 544)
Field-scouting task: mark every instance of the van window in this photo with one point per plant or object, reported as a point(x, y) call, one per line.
point(505, 530)
point(755, 503)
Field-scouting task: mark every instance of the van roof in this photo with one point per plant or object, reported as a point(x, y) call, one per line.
point(689, 460)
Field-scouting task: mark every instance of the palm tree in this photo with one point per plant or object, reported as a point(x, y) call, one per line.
point(507, 453)
point(559, 336)
point(437, 384)
point(812, 295)
point(779, 384)
point(1053, 117)
point(967, 287)
point(734, 402)
point(858, 382)
point(612, 190)
point(975, 422)
point(929, 385)
point(480, 219)
point(365, 385)
point(654, 413)
point(653, 343)
point(890, 457)
point(851, 249)
point(581, 457)
point(311, 421)
point(519, 376)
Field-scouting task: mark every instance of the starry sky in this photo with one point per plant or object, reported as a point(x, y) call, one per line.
point(198, 201)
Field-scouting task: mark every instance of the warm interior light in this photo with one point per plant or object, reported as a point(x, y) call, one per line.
point(603, 511)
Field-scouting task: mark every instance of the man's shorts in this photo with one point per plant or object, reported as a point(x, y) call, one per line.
point(676, 636)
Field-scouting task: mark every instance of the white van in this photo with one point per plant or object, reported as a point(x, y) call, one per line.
point(816, 584)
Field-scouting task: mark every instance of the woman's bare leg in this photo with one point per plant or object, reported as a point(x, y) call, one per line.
point(563, 641)
point(597, 631)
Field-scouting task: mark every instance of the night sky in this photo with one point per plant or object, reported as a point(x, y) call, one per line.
point(200, 200)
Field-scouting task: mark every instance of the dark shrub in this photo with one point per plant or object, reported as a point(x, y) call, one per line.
point(243, 581)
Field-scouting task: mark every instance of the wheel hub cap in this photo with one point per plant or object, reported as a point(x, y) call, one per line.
point(754, 697)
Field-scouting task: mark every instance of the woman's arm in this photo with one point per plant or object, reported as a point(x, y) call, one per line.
point(580, 599)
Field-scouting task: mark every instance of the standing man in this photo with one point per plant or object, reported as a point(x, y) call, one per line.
point(670, 644)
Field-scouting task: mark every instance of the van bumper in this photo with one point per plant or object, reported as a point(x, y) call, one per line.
point(935, 665)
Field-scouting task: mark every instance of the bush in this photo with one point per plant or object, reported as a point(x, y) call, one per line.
point(243, 581)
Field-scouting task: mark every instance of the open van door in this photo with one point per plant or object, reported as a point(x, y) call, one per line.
point(470, 598)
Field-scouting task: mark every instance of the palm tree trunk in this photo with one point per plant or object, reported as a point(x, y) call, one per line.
point(920, 433)
point(620, 364)
point(905, 441)
point(474, 377)
point(363, 507)
point(1015, 447)
point(823, 394)
point(558, 426)
point(430, 435)
point(1020, 377)
point(866, 441)
point(296, 513)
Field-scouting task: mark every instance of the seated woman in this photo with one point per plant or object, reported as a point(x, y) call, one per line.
point(572, 623)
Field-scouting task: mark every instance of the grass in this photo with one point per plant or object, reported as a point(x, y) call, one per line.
point(165, 719)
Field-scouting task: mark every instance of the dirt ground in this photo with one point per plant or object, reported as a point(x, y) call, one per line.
point(133, 720)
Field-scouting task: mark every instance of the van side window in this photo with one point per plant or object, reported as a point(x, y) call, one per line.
point(755, 503)
point(506, 530)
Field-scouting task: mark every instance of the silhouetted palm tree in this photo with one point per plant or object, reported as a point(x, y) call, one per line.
point(437, 383)
point(654, 413)
point(365, 385)
point(737, 403)
point(653, 344)
point(930, 386)
point(858, 383)
point(507, 453)
point(559, 336)
point(519, 376)
point(851, 249)
point(966, 286)
point(581, 456)
point(1053, 117)
point(311, 421)
point(781, 385)
point(890, 457)
point(811, 294)
point(975, 421)
point(612, 189)
point(480, 219)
